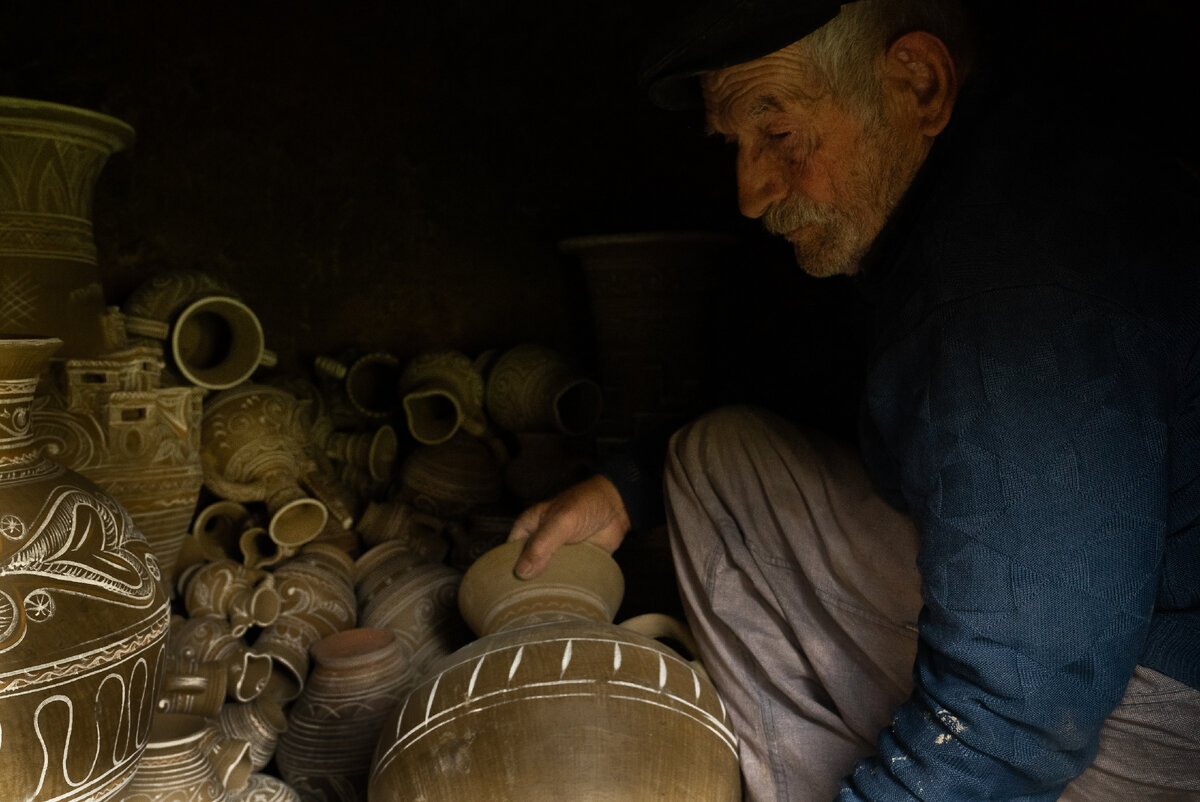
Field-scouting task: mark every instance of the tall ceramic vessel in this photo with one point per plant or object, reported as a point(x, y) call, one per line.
point(50, 158)
point(83, 616)
point(111, 420)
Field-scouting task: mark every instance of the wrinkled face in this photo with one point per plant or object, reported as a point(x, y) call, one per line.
point(821, 173)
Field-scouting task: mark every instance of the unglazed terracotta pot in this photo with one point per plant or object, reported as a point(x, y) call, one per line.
point(533, 388)
point(50, 158)
point(254, 440)
point(442, 392)
point(450, 479)
point(213, 339)
point(419, 605)
point(356, 682)
point(83, 615)
point(553, 699)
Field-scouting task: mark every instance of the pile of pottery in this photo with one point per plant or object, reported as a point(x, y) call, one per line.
point(281, 553)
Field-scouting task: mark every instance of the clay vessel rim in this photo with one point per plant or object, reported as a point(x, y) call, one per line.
point(26, 355)
point(351, 646)
point(59, 118)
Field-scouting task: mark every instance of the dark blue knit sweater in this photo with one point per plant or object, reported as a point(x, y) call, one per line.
point(1033, 402)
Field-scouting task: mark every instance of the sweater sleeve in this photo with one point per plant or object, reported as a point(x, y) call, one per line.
point(1028, 429)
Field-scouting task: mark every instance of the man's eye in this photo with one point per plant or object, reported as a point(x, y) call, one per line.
point(779, 136)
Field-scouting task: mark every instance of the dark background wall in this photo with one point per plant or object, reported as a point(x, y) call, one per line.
point(396, 175)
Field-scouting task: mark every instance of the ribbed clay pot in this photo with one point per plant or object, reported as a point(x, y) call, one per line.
point(552, 702)
point(83, 615)
point(334, 725)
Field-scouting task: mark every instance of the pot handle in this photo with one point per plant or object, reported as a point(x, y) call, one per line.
point(146, 327)
point(660, 625)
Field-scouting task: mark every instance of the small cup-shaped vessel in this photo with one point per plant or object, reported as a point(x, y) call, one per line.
point(214, 339)
point(254, 439)
point(369, 382)
point(83, 614)
point(316, 588)
point(442, 392)
point(176, 764)
point(210, 638)
point(218, 527)
point(374, 452)
point(632, 719)
point(533, 388)
point(246, 596)
point(334, 725)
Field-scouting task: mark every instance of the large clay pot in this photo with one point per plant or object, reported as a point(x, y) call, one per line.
point(212, 338)
point(553, 699)
point(50, 158)
point(333, 726)
point(83, 615)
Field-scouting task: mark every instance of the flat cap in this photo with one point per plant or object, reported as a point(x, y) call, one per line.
point(720, 34)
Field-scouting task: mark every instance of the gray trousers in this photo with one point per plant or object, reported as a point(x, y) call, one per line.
point(801, 587)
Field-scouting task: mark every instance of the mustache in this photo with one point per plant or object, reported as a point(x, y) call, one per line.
point(785, 216)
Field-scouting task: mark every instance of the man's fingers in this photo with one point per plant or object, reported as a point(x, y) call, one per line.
point(527, 522)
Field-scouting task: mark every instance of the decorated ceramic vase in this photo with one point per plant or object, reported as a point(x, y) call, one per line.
point(50, 158)
point(554, 697)
point(369, 382)
point(83, 615)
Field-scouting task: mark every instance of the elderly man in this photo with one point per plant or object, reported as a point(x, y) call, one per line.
point(997, 595)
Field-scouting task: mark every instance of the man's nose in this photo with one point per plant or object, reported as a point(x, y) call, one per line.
point(760, 182)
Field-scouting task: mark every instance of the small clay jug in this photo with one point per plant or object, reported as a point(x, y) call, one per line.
point(442, 392)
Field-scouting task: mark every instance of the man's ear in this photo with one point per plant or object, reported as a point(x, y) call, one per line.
point(920, 71)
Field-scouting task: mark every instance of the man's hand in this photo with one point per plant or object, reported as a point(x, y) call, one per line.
point(591, 510)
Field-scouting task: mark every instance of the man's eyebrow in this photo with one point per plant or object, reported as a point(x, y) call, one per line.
point(761, 105)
